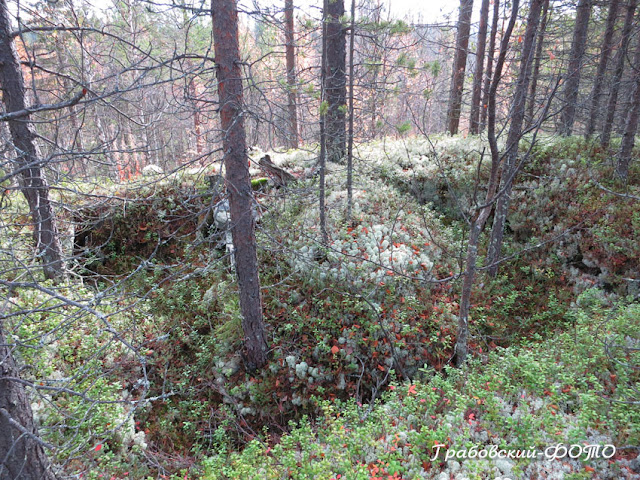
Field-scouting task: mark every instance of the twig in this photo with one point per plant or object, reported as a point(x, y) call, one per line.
point(23, 430)
point(7, 117)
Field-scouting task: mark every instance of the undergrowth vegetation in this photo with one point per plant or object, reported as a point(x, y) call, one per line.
point(359, 383)
point(562, 390)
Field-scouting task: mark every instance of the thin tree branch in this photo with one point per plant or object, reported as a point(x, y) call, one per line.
point(23, 430)
point(43, 108)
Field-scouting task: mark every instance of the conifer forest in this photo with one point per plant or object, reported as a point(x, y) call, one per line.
point(298, 239)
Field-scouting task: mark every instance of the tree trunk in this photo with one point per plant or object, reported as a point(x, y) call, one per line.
point(631, 125)
point(572, 82)
point(120, 152)
point(323, 134)
point(598, 81)
point(29, 162)
point(322, 180)
point(335, 80)
point(107, 145)
point(511, 166)
point(229, 73)
point(489, 72)
point(21, 453)
point(373, 101)
point(483, 211)
point(618, 61)
point(536, 66)
point(74, 143)
point(290, 46)
point(133, 160)
point(459, 66)
point(197, 121)
point(352, 36)
point(477, 76)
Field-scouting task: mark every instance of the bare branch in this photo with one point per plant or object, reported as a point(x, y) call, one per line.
point(43, 108)
point(23, 430)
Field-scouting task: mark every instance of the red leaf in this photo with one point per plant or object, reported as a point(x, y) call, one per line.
point(98, 447)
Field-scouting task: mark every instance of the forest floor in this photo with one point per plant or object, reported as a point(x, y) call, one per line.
point(361, 331)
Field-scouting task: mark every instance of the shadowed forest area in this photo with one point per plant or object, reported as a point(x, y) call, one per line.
point(319, 240)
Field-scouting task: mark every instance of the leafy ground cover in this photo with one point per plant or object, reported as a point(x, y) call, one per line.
point(361, 330)
point(531, 397)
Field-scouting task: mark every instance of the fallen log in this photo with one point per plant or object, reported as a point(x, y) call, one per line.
point(279, 176)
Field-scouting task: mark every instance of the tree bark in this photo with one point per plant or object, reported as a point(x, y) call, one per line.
point(511, 166)
point(75, 138)
point(335, 80)
point(572, 82)
point(22, 455)
point(598, 81)
point(462, 338)
point(631, 125)
point(618, 61)
point(352, 36)
point(322, 182)
point(290, 47)
point(323, 134)
point(133, 162)
point(229, 73)
point(489, 72)
point(28, 164)
point(536, 66)
point(197, 121)
point(474, 123)
point(459, 66)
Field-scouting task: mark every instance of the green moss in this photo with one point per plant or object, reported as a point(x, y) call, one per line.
point(259, 183)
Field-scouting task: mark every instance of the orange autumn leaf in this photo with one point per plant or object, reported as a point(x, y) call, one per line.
point(335, 349)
